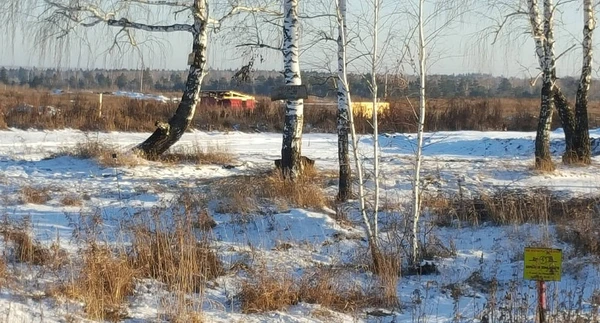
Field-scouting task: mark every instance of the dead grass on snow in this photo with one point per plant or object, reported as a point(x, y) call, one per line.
point(246, 194)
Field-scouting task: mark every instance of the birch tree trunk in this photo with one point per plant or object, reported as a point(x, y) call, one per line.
point(543, 159)
point(343, 96)
point(567, 120)
point(565, 113)
point(294, 110)
point(418, 155)
point(582, 134)
point(344, 93)
point(374, 89)
point(167, 134)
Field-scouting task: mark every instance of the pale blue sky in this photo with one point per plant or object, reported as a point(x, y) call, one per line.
point(458, 50)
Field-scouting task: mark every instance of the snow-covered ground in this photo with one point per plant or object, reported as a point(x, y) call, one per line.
point(476, 161)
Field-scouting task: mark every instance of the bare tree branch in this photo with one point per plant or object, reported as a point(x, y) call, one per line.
point(162, 3)
point(123, 22)
point(259, 45)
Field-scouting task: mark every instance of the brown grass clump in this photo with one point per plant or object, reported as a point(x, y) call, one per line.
point(3, 272)
point(332, 289)
point(544, 165)
point(105, 281)
point(243, 194)
point(171, 251)
point(176, 259)
point(509, 207)
point(106, 155)
point(265, 291)
point(198, 155)
point(581, 231)
point(25, 249)
point(268, 292)
point(500, 208)
point(3, 124)
point(71, 200)
point(185, 317)
point(35, 195)
point(576, 218)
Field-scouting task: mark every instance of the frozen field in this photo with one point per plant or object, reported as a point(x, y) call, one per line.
point(475, 161)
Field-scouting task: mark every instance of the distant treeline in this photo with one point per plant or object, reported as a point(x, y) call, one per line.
point(391, 86)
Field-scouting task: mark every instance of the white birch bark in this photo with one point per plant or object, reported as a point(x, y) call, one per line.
point(294, 110)
point(543, 158)
point(588, 30)
point(565, 113)
point(374, 89)
point(169, 133)
point(582, 136)
point(537, 31)
point(418, 154)
point(343, 96)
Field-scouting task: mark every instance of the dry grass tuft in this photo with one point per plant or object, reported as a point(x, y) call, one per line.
point(25, 249)
point(3, 124)
point(205, 222)
point(268, 292)
point(105, 154)
point(507, 208)
point(185, 317)
point(71, 200)
point(576, 218)
point(265, 291)
point(244, 194)
point(581, 232)
point(35, 195)
point(175, 258)
point(3, 273)
point(105, 281)
point(171, 250)
point(544, 165)
point(335, 290)
point(196, 154)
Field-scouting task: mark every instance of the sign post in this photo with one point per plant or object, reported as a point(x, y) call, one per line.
point(289, 92)
point(541, 265)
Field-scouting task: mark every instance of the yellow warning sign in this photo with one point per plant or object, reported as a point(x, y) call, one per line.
point(542, 264)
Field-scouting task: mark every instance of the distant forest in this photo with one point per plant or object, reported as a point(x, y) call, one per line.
point(319, 84)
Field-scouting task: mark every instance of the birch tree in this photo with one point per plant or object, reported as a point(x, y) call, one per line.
point(374, 91)
point(574, 123)
point(343, 115)
point(582, 136)
point(58, 20)
point(291, 149)
point(432, 20)
point(370, 223)
point(416, 208)
point(543, 158)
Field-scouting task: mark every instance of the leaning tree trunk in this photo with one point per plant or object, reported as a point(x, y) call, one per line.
point(294, 110)
point(582, 134)
point(567, 120)
point(343, 94)
point(543, 158)
point(565, 113)
point(167, 134)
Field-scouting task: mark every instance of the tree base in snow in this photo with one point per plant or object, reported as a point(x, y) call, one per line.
point(306, 162)
point(572, 158)
point(544, 164)
point(425, 268)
